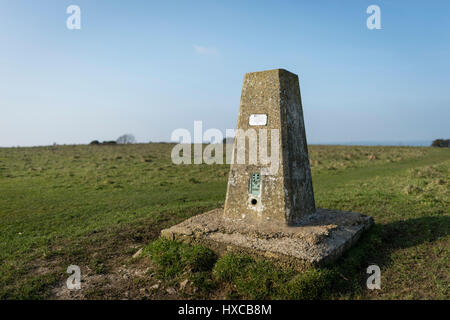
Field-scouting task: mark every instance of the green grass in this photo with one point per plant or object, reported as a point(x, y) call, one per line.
point(174, 258)
point(246, 277)
point(92, 205)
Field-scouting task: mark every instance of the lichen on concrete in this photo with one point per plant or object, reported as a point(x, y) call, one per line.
point(286, 195)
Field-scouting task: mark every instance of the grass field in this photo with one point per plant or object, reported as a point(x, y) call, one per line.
point(96, 206)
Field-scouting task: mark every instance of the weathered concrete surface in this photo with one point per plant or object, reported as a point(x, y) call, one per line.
point(287, 194)
point(273, 215)
point(319, 238)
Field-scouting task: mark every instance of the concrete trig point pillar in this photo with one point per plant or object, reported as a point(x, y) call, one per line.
point(270, 100)
point(269, 208)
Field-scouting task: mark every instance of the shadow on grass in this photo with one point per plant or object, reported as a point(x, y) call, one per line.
point(239, 276)
point(376, 247)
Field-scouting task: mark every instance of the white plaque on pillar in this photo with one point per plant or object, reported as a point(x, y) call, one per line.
point(258, 120)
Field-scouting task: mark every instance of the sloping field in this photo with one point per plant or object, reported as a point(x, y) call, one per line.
point(95, 206)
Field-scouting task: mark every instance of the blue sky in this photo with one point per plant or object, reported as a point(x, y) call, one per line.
point(149, 67)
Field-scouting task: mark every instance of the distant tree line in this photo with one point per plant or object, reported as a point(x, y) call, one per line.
point(441, 143)
point(96, 142)
point(123, 139)
point(126, 139)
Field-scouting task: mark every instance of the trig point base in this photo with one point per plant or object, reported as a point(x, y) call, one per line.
point(319, 239)
point(270, 208)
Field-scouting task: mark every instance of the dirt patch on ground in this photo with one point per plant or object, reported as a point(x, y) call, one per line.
point(134, 280)
point(131, 280)
point(112, 267)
